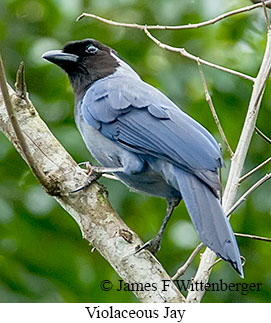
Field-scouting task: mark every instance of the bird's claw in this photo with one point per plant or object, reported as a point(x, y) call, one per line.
point(152, 245)
point(93, 175)
point(87, 165)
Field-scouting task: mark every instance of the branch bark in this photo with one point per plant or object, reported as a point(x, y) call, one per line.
point(98, 222)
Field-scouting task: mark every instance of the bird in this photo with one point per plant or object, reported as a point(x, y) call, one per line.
point(137, 133)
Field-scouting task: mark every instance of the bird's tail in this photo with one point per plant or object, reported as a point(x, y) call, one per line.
point(209, 218)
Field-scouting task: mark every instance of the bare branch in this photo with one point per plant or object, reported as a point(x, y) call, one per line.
point(181, 51)
point(244, 235)
point(181, 27)
point(208, 257)
point(184, 53)
point(266, 15)
point(268, 160)
point(212, 266)
point(267, 3)
point(188, 262)
point(249, 191)
point(215, 116)
point(259, 132)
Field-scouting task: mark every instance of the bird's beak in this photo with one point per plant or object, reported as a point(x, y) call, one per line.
point(59, 58)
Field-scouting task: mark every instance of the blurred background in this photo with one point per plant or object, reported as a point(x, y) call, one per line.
point(43, 257)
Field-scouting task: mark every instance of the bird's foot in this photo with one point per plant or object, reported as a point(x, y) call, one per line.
point(152, 245)
point(87, 167)
point(93, 172)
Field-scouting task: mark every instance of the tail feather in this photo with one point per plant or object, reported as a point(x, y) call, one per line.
point(209, 218)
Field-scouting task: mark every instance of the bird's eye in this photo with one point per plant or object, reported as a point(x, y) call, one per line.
point(91, 49)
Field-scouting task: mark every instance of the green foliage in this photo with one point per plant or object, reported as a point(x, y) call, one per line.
point(42, 255)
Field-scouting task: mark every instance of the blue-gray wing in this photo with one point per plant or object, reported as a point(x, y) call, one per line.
point(140, 118)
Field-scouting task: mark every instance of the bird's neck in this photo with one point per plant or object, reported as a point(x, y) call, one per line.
point(80, 83)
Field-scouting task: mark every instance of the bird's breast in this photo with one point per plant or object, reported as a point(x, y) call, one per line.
point(105, 151)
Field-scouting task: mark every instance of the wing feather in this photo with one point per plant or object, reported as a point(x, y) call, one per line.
point(142, 119)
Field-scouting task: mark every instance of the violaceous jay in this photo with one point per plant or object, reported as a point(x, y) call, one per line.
point(151, 145)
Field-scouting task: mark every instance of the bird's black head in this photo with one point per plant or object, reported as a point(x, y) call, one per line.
point(85, 61)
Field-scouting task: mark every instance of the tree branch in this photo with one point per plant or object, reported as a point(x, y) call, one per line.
point(245, 235)
point(188, 262)
point(249, 191)
point(184, 53)
point(181, 27)
point(98, 222)
point(208, 257)
point(181, 51)
point(212, 108)
point(268, 160)
point(259, 132)
point(266, 14)
point(267, 3)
